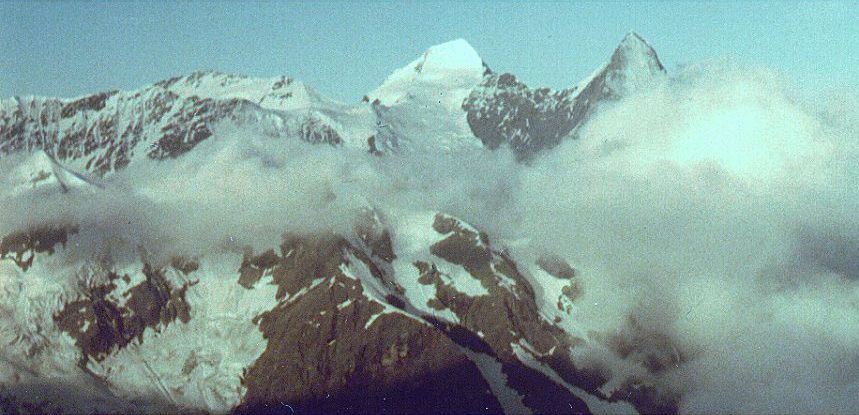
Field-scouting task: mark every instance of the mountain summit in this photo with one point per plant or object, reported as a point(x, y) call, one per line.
point(504, 111)
point(450, 65)
point(633, 66)
point(420, 104)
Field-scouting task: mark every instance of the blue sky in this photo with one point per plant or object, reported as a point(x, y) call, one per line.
point(345, 49)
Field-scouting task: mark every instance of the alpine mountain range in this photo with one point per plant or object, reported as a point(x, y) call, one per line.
point(426, 313)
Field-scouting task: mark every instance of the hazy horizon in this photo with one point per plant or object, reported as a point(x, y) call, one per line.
point(71, 49)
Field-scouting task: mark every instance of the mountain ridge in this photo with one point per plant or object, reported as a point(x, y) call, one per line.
point(455, 99)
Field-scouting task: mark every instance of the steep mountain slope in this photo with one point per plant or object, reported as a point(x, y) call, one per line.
point(349, 323)
point(418, 106)
point(504, 111)
point(39, 173)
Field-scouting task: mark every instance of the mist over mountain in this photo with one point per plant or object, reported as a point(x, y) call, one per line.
point(456, 242)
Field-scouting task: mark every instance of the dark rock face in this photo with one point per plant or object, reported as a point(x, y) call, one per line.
point(103, 131)
point(36, 240)
point(101, 323)
point(556, 266)
point(326, 355)
point(189, 126)
point(92, 132)
point(184, 265)
point(504, 111)
point(633, 65)
point(397, 365)
point(373, 233)
point(91, 103)
point(343, 337)
point(508, 315)
point(336, 347)
point(315, 131)
point(657, 353)
point(55, 396)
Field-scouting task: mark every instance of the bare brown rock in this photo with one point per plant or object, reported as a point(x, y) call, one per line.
point(100, 325)
point(370, 228)
point(184, 265)
point(40, 239)
point(507, 315)
point(556, 266)
point(324, 355)
point(93, 102)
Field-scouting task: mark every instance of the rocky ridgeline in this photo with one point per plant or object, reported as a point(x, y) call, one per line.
point(504, 111)
point(447, 99)
point(346, 336)
point(104, 132)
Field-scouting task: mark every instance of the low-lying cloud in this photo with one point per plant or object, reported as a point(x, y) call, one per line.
point(720, 210)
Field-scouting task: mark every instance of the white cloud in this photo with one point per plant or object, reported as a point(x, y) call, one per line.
point(720, 211)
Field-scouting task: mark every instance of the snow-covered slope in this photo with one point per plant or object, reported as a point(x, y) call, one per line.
point(40, 173)
point(633, 67)
point(419, 105)
point(453, 67)
point(280, 93)
point(225, 330)
point(105, 132)
point(447, 99)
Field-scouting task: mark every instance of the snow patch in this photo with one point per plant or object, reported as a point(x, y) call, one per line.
point(374, 289)
point(41, 173)
point(596, 405)
point(490, 368)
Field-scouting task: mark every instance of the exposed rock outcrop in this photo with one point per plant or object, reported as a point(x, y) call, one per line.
point(21, 247)
point(111, 312)
point(504, 111)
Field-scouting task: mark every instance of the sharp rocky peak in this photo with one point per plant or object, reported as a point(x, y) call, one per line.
point(633, 39)
point(504, 111)
point(443, 99)
point(633, 65)
point(634, 49)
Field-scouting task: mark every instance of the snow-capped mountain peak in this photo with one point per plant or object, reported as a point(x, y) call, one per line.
point(633, 65)
point(424, 99)
point(633, 40)
point(451, 65)
point(446, 99)
point(456, 55)
point(504, 111)
point(417, 293)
